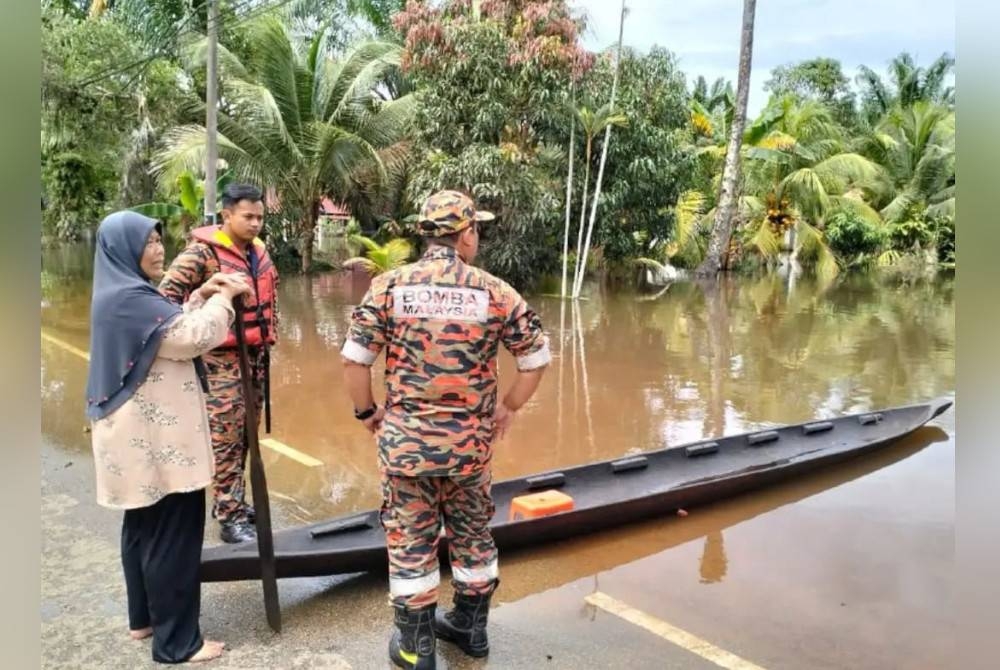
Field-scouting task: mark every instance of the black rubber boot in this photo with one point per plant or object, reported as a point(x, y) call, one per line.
point(465, 625)
point(237, 532)
point(412, 643)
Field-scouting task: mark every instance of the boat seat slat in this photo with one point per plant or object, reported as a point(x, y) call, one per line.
point(702, 449)
point(762, 438)
point(629, 464)
point(819, 427)
point(548, 480)
point(341, 525)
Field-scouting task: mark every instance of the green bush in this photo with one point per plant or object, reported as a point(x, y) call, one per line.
point(853, 238)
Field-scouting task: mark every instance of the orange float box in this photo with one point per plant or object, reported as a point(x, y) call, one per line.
point(543, 503)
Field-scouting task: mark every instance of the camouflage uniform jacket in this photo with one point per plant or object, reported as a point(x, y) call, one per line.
point(193, 267)
point(441, 322)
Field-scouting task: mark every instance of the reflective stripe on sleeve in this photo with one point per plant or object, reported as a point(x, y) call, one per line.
point(353, 351)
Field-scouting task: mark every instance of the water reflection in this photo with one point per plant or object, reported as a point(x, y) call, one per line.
point(713, 559)
point(550, 566)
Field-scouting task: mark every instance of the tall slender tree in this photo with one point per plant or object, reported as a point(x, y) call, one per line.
point(582, 259)
point(722, 227)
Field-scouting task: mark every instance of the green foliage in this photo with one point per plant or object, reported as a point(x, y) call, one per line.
point(73, 196)
point(854, 239)
point(493, 88)
point(377, 12)
point(914, 233)
point(97, 115)
point(820, 79)
point(305, 124)
point(280, 245)
point(648, 165)
point(906, 84)
point(189, 208)
point(379, 258)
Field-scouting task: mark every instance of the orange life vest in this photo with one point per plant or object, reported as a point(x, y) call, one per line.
point(259, 314)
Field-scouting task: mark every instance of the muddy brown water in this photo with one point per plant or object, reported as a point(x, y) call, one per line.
point(633, 372)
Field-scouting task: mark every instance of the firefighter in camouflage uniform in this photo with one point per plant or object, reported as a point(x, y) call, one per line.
point(232, 247)
point(441, 322)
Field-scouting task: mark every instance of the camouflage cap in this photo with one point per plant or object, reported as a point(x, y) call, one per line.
point(448, 212)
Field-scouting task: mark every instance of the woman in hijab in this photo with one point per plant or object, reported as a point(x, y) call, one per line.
point(152, 447)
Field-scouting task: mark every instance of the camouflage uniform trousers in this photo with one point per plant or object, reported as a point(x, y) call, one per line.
point(226, 417)
point(414, 509)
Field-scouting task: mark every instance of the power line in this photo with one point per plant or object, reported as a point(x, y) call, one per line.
point(166, 34)
point(174, 33)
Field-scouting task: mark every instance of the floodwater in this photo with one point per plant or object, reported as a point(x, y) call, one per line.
point(634, 372)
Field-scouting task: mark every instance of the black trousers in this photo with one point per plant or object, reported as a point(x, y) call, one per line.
point(161, 555)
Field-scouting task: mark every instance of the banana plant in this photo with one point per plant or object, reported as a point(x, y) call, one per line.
point(180, 216)
point(379, 258)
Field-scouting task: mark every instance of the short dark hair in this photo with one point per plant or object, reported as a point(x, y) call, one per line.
point(233, 193)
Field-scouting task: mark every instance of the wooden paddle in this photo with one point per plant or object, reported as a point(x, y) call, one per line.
point(262, 505)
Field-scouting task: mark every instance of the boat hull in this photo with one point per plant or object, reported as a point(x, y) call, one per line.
point(606, 494)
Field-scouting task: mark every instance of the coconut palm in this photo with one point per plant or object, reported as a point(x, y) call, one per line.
point(722, 225)
point(299, 122)
point(907, 84)
point(799, 171)
point(379, 258)
point(916, 146)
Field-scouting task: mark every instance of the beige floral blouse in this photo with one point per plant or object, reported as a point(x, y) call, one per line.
point(159, 442)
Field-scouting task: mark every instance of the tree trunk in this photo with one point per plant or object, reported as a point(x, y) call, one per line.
point(583, 218)
point(308, 236)
point(578, 285)
point(722, 227)
point(569, 199)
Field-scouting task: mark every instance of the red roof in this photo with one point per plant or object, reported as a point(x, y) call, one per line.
point(329, 208)
point(326, 206)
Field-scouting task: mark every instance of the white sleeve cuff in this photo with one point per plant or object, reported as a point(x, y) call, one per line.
point(535, 360)
point(353, 351)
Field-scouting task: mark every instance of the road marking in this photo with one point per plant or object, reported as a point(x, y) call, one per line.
point(681, 638)
point(66, 346)
point(283, 449)
point(294, 454)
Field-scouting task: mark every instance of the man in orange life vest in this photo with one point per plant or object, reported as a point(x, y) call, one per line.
point(234, 248)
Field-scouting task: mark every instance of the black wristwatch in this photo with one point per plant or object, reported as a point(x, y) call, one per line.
point(366, 414)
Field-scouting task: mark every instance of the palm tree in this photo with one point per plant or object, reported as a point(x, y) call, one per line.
point(591, 124)
point(722, 227)
point(306, 125)
point(712, 110)
point(907, 85)
point(800, 171)
point(916, 146)
point(379, 258)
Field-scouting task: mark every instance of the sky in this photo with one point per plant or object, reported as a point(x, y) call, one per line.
point(705, 34)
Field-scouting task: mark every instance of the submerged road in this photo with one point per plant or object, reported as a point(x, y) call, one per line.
point(848, 569)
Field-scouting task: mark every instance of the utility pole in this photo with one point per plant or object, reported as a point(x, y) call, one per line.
point(211, 118)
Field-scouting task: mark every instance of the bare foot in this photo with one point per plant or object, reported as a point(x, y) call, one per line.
point(141, 634)
point(209, 650)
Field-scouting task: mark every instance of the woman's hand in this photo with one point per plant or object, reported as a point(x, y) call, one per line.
point(230, 285)
point(212, 286)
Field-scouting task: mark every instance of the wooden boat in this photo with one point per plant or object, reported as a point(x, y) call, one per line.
point(606, 493)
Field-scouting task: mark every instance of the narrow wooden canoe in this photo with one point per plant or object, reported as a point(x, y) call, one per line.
point(606, 493)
